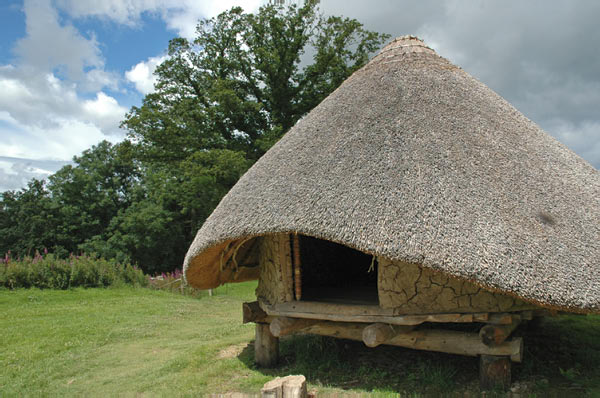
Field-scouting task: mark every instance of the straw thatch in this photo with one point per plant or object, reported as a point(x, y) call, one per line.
point(413, 159)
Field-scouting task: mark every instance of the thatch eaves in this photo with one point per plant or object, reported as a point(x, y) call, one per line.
point(413, 159)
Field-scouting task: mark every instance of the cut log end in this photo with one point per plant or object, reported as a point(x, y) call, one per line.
point(379, 333)
point(492, 335)
point(285, 387)
point(251, 312)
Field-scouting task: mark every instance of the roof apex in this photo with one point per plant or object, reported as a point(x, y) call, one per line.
point(404, 45)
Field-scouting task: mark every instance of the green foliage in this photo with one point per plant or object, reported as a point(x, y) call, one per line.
point(77, 203)
point(49, 272)
point(27, 219)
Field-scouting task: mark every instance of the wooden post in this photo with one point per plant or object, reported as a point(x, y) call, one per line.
point(266, 346)
point(285, 262)
point(297, 267)
point(282, 325)
point(494, 372)
point(378, 333)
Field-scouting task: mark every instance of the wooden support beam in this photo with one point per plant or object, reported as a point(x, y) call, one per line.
point(266, 346)
point(285, 262)
point(494, 372)
point(362, 313)
point(448, 341)
point(281, 326)
point(379, 333)
point(496, 334)
point(253, 313)
point(297, 266)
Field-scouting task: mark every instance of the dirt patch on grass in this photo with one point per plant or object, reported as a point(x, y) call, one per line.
point(232, 351)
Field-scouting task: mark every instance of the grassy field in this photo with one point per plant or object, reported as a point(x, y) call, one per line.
point(130, 341)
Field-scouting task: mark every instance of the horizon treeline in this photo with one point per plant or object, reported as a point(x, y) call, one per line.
point(220, 102)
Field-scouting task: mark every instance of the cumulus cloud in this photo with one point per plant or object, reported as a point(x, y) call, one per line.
point(184, 18)
point(104, 112)
point(44, 116)
point(44, 101)
point(180, 15)
point(69, 137)
point(49, 46)
point(142, 74)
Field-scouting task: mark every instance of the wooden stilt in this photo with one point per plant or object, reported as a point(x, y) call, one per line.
point(266, 346)
point(494, 372)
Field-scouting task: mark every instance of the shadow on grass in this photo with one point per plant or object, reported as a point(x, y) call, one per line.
point(562, 357)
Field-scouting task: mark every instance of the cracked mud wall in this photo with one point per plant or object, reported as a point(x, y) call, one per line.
point(414, 290)
point(275, 280)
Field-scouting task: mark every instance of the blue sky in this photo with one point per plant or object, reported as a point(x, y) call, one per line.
point(70, 69)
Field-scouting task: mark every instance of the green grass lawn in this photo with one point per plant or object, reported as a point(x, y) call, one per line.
point(127, 341)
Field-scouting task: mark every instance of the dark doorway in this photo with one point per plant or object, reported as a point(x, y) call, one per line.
point(336, 273)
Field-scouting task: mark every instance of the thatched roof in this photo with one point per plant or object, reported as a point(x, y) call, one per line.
point(413, 159)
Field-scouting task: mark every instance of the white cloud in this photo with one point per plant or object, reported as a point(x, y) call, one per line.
point(68, 138)
point(105, 113)
point(125, 12)
point(142, 74)
point(48, 46)
point(180, 15)
point(184, 19)
point(44, 101)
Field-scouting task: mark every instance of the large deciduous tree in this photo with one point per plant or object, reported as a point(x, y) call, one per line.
point(245, 80)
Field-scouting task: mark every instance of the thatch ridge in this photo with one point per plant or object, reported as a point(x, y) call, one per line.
point(415, 160)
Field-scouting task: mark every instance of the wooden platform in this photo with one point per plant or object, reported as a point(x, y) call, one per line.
point(369, 313)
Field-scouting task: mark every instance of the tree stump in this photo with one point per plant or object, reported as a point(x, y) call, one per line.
point(285, 387)
point(494, 372)
point(266, 346)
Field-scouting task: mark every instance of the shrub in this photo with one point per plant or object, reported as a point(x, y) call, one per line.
point(48, 272)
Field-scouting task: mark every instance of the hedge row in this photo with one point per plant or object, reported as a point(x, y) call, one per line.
point(48, 272)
